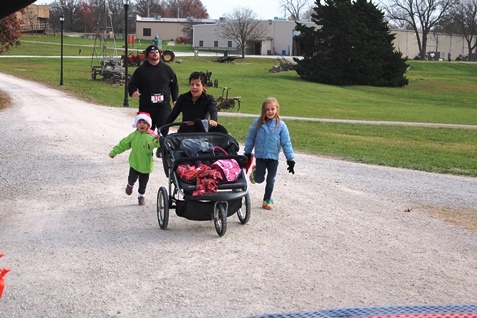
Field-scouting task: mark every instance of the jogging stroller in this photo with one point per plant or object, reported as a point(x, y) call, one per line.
point(184, 152)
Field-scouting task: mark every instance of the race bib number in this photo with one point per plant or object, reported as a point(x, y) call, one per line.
point(157, 98)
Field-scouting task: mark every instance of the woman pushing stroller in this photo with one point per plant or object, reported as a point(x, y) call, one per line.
point(196, 106)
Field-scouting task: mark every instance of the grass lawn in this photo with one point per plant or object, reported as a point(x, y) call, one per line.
point(439, 92)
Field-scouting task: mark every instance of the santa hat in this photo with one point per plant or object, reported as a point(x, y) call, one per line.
point(144, 116)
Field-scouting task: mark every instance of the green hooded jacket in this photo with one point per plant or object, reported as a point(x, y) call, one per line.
point(141, 145)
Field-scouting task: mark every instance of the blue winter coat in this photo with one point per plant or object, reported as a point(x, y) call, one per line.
point(268, 139)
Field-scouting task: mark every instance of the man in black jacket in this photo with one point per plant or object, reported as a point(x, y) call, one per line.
point(155, 84)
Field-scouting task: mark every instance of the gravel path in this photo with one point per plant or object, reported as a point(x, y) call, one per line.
point(78, 246)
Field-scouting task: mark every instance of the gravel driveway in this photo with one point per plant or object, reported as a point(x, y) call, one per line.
point(340, 235)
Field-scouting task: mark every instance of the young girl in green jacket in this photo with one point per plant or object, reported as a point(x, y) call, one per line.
point(141, 142)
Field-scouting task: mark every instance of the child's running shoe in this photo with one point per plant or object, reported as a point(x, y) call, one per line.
point(129, 189)
point(267, 204)
point(252, 175)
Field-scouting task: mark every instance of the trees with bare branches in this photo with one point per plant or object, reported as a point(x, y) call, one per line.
point(421, 15)
point(463, 20)
point(241, 26)
point(297, 9)
point(150, 8)
point(185, 8)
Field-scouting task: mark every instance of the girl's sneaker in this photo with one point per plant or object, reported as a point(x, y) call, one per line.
point(267, 204)
point(252, 175)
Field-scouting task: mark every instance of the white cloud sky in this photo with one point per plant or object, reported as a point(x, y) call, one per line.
point(264, 9)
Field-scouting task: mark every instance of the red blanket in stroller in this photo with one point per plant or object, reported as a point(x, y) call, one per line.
point(205, 177)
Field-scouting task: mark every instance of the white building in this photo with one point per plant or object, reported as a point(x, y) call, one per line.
point(279, 38)
point(441, 43)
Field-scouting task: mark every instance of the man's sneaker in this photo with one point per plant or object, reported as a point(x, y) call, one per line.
point(252, 175)
point(267, 204)
point(141, 201)
point(129, 189)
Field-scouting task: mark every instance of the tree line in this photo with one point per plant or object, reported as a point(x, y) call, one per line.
point(351, 43)
point(91, 16)
point(422, 16)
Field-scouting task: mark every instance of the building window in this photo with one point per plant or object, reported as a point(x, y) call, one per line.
point(201, 43)
point(216, 43)
point(146, 32)
point(229, 44)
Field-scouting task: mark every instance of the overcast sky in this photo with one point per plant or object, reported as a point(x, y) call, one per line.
point(264, 9)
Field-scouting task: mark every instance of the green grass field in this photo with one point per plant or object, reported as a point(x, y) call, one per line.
point(439, 92)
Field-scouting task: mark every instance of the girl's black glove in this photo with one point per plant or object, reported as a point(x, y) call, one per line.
point(291, 166)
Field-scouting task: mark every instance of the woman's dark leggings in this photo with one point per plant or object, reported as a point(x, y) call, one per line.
point(143, 179)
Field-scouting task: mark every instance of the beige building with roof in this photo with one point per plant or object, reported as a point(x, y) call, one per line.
point(35, 18)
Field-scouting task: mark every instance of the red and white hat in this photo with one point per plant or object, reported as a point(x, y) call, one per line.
point(144, 116)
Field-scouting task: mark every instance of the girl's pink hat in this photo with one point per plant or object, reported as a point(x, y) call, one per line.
point(144, 116)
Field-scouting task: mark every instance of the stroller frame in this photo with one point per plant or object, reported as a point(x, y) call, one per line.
point(231, 196)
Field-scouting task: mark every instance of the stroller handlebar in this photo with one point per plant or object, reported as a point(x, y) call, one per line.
point(164, 129)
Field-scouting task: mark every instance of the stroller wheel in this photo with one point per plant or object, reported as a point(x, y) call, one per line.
point(244, 212)
point(220, 219)
point(162, 208)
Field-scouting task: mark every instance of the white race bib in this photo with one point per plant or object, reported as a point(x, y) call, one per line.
point(157, 98)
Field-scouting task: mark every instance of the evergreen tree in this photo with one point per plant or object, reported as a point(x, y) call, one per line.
point(351, 45)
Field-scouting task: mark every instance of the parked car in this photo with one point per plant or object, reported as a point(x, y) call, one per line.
point(462, 57)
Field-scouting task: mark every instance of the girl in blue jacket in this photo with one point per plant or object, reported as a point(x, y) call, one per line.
point(267, 134)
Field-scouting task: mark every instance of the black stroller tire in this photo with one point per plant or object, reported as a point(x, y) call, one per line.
point(244, 212)
point(162, 208)
point(220, 219)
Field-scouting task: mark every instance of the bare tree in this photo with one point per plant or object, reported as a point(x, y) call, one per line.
point(421, 15)
point(150, 8)
point(71, 11)
point(186, 8)
point(463, 20)
point(297, 9)
point(31, 18)
point(309, 11)
point(115, 11)
point(242, 26)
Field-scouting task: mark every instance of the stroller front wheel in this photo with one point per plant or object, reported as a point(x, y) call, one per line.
point(162, 208)
point(220, 218)
point(244, 212)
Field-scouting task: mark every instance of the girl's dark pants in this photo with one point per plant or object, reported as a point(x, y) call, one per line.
point(143, 179)
point(271, 166)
